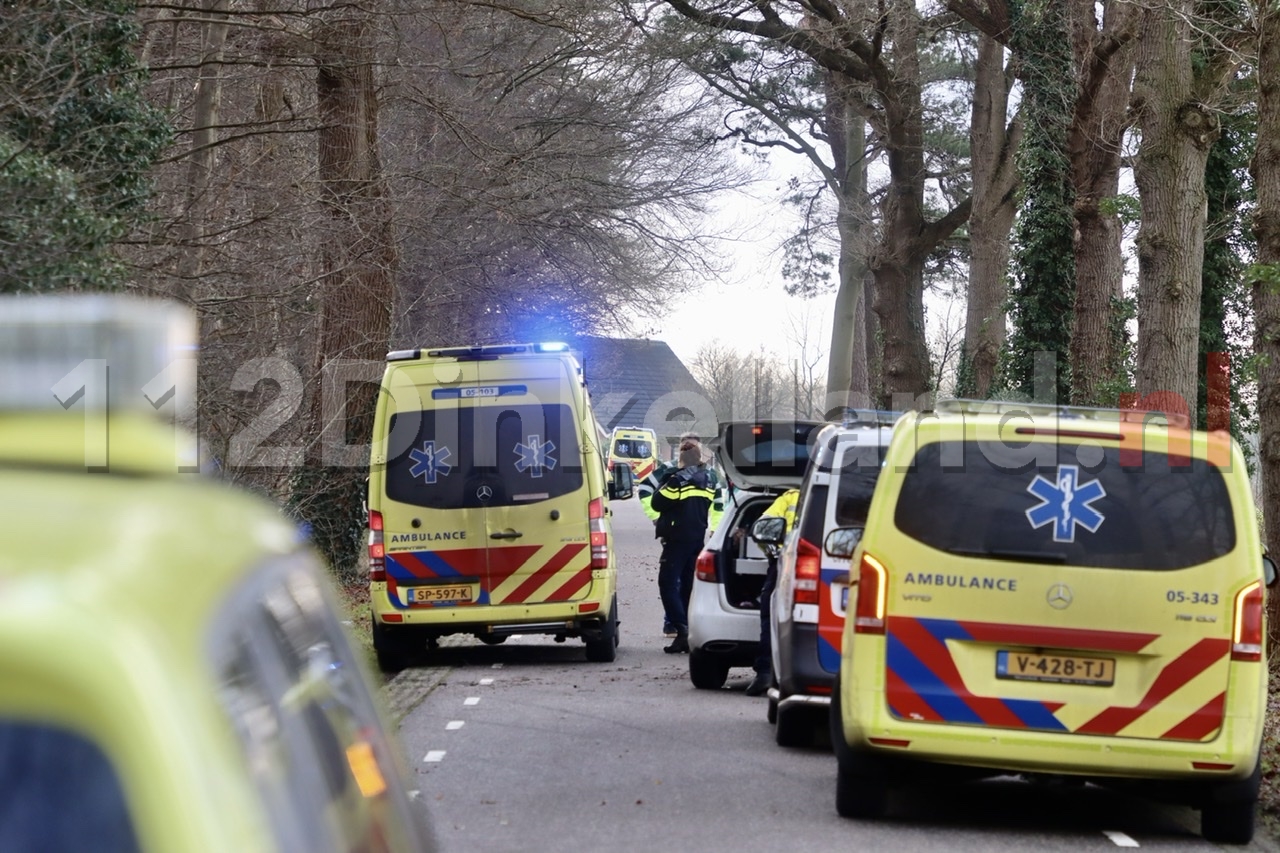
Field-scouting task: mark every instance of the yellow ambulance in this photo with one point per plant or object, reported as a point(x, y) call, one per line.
point(1062, 591)
point(489, 502)
point(637, 447)
point(176, 678)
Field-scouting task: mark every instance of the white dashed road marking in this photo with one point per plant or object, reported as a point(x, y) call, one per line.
point(435, 755)
point(1119, 839)
point(484, 681)
point(454, 725)
point(471, 700)
point(497, 666)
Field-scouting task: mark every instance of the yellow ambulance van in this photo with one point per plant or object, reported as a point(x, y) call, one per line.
point(1063, 591)
point(489, 502)
point(635, 446)
point(176, 677)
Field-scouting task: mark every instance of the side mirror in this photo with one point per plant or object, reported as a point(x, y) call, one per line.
point(623, 485)
point(843, 541)
point(770, 530)
point(1269, 570)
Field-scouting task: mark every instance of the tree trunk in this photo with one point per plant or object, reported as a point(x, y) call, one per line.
point(1094, 146)
point(356, 286)
point(1177, 132)
point(847, 366)
point(204, 123)
point(994, 206)
point(1266, 295)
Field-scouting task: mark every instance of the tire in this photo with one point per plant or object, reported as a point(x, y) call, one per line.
point(794, 726)
point(862, 789)
point(1227, 814)
point(492, 639)
point(605, 649)
point(392, 652)
point(706, 672)
point(772, 714)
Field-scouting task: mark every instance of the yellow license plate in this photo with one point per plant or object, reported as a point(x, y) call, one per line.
point(1063, 669)
point(437, 594)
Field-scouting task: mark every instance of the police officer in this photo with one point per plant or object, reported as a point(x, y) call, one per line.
point(783, 507)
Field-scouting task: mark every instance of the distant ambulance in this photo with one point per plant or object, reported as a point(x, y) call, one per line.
point(636, 446)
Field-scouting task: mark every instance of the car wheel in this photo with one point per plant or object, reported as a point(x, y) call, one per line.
point(492, 639)
point(772, 713)
point(391, 650)
point(794, 726)
point(862, 789)
point(605, 649)
point(706, 672)
point(1227, 815)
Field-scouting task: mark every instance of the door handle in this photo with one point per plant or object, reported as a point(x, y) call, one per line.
point(506, 534)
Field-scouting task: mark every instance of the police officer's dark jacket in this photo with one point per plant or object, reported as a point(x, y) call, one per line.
point(683, 502)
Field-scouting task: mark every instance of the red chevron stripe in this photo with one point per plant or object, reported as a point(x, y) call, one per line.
point(1187, 666)
point(905, 702)
point(644, 471)
point(573, 587)
point(505, 562)
point(1202, 723)
point(1058, 638)
point(934, 654)
point(557, 562)
point(465, 561)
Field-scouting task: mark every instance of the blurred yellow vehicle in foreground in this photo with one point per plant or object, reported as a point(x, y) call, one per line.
point(174, 676)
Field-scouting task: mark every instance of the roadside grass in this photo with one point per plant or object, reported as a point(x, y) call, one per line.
point(1269, 796)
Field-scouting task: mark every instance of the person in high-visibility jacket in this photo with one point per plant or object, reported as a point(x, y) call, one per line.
point(650, 485)
point(683, 501)
point(784, 507)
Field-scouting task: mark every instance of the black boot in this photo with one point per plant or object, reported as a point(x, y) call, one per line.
point(680, 645)
point(760, 684)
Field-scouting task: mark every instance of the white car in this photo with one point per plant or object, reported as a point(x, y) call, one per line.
point(761, 459)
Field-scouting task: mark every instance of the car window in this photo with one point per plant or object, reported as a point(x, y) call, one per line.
point(770, 449)
point(860, 468)
point(307, 722)
point(523, 454)
point(59, 793)
point(988, 499)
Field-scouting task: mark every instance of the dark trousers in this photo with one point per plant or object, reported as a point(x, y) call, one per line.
point(764, 658)
point(675, 580)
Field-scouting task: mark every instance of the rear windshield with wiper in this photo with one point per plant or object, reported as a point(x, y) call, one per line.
point(1066, 503)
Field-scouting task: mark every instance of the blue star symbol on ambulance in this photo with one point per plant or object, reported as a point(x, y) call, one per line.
point(535, 454)
point(1065, 503)
point(429, 462)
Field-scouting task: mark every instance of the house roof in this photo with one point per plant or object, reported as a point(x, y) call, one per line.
point(642, 383)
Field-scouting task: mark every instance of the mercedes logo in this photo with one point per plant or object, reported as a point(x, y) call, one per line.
point(484, 493)
point(1059, 596)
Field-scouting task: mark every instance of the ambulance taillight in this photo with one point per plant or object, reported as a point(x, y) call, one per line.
point(1246, 637)
point(808, 572)
point(599, 535)
point(873, 582)
point(377, 550)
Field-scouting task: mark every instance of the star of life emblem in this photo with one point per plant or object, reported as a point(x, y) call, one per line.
point(1065, 503)
point(429, 462)
point(535, 454)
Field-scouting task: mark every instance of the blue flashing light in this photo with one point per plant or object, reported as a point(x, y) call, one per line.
point(552, 346)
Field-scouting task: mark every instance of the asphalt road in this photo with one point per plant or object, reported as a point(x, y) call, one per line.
point(528, 747)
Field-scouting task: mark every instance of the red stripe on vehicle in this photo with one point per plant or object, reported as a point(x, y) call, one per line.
point(505, 561)
point(531, 585)
point(1202, 723)
point(644, 471)
point(905, 702)
point(1187, 666)
point(573, 588)
point(1060, 638)
point(933, 653)
point(468, 562)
